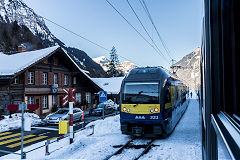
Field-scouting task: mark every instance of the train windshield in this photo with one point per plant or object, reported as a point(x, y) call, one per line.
point(141, 93)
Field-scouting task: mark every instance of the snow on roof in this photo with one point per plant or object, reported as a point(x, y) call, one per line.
point(11, 64)
point(110, 85)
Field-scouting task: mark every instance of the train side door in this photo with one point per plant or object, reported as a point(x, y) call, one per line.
point(170, 102)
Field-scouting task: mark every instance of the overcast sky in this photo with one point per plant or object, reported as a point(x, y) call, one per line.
point(178, 22)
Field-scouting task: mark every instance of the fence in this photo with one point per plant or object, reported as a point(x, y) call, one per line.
point(64, 136)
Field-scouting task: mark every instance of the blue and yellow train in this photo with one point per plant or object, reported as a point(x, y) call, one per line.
point(152, 102)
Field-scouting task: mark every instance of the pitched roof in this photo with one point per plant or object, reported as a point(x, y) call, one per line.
point(12, 64)
point(110, 85)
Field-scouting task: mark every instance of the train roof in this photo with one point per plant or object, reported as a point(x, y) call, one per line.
point(149, 74)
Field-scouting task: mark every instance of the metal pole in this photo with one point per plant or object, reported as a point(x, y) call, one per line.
point(22, 107)
point(47, 148)
point(71, 121)
point(103, 112)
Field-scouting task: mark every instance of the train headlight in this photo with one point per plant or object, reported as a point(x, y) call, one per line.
point(128, 110)
point(151, 110)
point(124, 109)
point(156, 109)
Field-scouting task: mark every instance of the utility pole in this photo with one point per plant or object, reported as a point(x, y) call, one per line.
point(173, 66)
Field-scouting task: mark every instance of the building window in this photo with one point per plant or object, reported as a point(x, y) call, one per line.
point(65, 80)
point(44, 102)
point(74, 80)
point(16, 80)
point(78, 97)
point(88, 97)
point(44, 78)
point(55, 78)
point(30, 77)
point(54, 100)
point(30, 100)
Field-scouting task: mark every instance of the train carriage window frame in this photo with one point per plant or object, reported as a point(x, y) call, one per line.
point(220, 78)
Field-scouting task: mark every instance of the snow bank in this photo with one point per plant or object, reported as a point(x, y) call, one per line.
point(106, 134)
point(15, 122)
point(184, 143)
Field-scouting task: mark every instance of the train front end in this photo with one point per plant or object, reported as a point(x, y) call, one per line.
point(140, 109)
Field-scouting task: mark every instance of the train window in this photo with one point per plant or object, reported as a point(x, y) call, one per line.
point(141, 93)
point(168, 96)
point(176, 93)
point(230, 57)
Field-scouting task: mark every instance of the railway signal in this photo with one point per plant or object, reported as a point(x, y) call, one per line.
point(69, 97)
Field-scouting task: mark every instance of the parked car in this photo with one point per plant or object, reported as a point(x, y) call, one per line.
point(63, 114)
point(108, 108)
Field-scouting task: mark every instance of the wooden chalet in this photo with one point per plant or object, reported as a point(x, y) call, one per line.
point(38, 77)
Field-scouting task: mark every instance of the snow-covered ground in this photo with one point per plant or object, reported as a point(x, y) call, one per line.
point(15, 122)
point(184, 143)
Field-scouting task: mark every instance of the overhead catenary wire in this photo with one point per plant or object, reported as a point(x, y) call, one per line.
point(76, 34)
point(142, 2)
point(144, 27)
point(137, 31)
point(94, 43)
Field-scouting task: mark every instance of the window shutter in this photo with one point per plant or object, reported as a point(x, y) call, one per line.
point(26, 78)
point(37, 77)
point(69, 80)
point(59, 79)
point(40, 77)
point(50, 78)
point(62, 79)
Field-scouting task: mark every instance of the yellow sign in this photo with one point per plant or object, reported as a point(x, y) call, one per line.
point(63, 127)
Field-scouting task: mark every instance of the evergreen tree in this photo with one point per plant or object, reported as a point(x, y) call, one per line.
point(113, 72)
point(6, 40)
point(15, 28)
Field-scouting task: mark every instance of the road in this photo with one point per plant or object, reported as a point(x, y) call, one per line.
point(11, 140)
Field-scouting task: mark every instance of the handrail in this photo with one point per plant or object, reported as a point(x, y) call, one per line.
point(10, 152)
point(223, 127)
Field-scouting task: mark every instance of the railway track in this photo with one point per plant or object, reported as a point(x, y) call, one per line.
point(130, 144)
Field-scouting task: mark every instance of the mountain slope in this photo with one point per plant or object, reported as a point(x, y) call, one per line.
point(17, 10)
point(188, 69)
point(123, 67)
point(103, 62)
point(11, 35)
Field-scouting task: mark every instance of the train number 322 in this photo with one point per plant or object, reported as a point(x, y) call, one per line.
point(153, 117)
